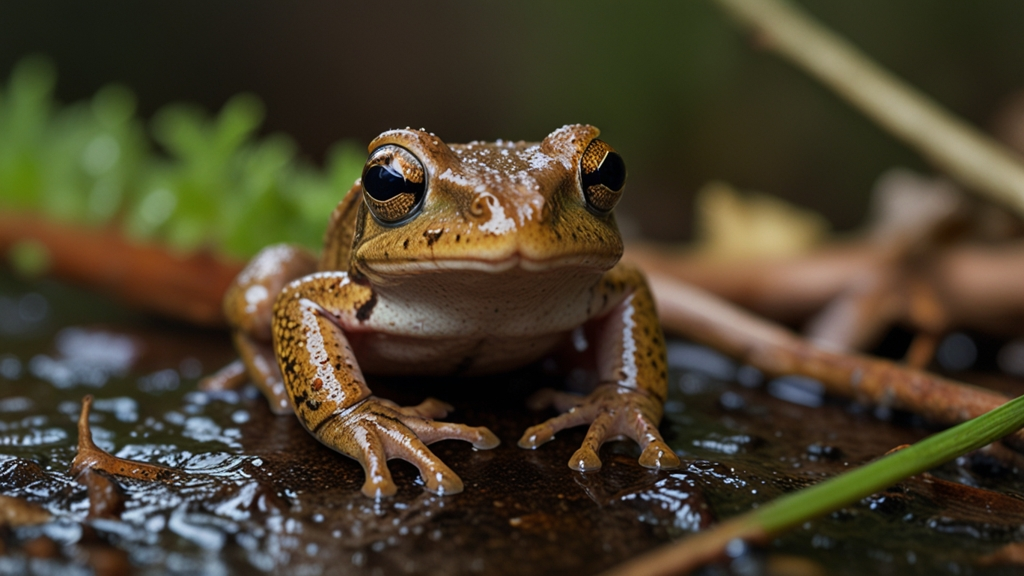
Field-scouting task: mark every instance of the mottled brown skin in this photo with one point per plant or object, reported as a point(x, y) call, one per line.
point(502, 263)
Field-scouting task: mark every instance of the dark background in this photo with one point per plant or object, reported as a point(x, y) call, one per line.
point(672, 85)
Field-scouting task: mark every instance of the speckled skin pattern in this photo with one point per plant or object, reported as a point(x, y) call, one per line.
point(501, 264)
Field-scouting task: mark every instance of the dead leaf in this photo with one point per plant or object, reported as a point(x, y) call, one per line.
point(734, 226)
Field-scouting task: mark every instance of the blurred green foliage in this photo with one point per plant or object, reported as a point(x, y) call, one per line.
point(187, 179)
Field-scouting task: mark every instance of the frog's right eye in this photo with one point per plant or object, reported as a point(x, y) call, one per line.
point(394, 183)
point(602, 176)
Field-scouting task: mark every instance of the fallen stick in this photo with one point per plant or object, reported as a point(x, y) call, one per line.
point(704, 318)
point(980, 284)
point(147, 276)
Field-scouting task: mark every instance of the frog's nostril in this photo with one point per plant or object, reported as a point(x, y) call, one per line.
point(482, 204)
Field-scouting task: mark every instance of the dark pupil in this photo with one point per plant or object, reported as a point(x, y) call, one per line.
point(384, 183)
point(611, 173)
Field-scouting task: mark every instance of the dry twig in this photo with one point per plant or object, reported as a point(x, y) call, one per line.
point(979, 285)
point(92, 457)
point(148, 276)
point(961, 150)
point(704, 318)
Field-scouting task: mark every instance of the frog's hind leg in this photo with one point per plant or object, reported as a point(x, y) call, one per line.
point(248, 308)
point(231, 377)
point(262, 368)
point(257, 363)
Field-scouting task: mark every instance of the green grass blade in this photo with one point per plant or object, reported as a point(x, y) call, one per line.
point(847, 488)
point(799, 507)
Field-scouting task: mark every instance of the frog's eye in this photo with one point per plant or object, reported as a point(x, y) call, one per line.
point(394, 183)
point(602, 174)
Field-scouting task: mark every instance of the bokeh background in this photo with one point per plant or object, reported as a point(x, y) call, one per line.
point(673, 85)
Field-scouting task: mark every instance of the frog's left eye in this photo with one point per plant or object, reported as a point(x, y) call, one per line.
point(394, 183)
point(602, 175)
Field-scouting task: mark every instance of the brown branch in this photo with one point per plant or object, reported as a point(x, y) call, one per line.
point(787, 289)
point(979, 285)
point(92, 457)
point(147, 276)
point(704, 318)
point(914, 219)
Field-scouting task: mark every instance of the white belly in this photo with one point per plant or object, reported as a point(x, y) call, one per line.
point(471, 322)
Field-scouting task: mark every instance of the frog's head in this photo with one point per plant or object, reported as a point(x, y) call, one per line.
point(490, 206)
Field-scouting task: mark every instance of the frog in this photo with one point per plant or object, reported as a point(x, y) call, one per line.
point(457, 260)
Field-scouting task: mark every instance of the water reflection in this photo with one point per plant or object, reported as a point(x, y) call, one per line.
point(1010, 359)
point(798, 390)
point(956, 352)
point(85, 358)
point(22, 315)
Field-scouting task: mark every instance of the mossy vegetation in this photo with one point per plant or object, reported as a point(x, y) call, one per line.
point(184, 178)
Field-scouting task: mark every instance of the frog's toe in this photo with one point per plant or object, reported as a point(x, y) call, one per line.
point(379, 485)
point(379, 430)
point(437, 476)
point(429, 408)
point(658, 455)
point(373, 456)
point(585, 460)
point(542, 433)
point(429, 432)
point(381, 439)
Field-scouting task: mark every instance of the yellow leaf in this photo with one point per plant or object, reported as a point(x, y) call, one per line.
point(731, 225)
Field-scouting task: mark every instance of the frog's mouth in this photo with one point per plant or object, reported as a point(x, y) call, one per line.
point(512, 263)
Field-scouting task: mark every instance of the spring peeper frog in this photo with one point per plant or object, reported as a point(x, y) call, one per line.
point(456, 259)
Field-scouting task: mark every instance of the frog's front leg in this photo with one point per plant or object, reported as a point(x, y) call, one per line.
point(632, 366)
point(330, 396)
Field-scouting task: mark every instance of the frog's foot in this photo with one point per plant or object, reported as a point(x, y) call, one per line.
point(613, 412)
point(377, 430)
